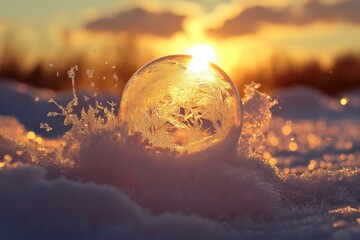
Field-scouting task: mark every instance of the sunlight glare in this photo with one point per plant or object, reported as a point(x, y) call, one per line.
point(202, 54)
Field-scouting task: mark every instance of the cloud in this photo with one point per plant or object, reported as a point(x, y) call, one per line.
point(251, 19)
point(140, 21)
point(347, 11)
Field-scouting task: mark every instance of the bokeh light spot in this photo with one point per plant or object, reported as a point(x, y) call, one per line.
point(31, 135)
point(293, 146)
point(343, 101)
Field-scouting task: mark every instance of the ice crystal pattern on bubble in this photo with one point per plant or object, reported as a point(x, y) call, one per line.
point(180, 108)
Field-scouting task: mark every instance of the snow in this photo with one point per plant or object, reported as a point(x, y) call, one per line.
point(88, 180)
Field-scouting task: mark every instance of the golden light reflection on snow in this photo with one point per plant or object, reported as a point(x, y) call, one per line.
point(335, 142)
point(345, 210)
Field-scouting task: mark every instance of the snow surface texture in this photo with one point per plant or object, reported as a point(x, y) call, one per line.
point(285, 180)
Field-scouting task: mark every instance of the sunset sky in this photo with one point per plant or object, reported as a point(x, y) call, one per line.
point(245, 34)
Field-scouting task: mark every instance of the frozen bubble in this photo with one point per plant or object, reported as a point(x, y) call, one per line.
point(185, 105)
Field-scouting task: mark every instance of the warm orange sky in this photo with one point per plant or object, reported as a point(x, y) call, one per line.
point(244, 33)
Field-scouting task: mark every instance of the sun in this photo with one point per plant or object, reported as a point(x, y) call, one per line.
point(202, 54)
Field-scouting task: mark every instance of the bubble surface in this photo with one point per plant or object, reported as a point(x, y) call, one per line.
point(178, 103)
